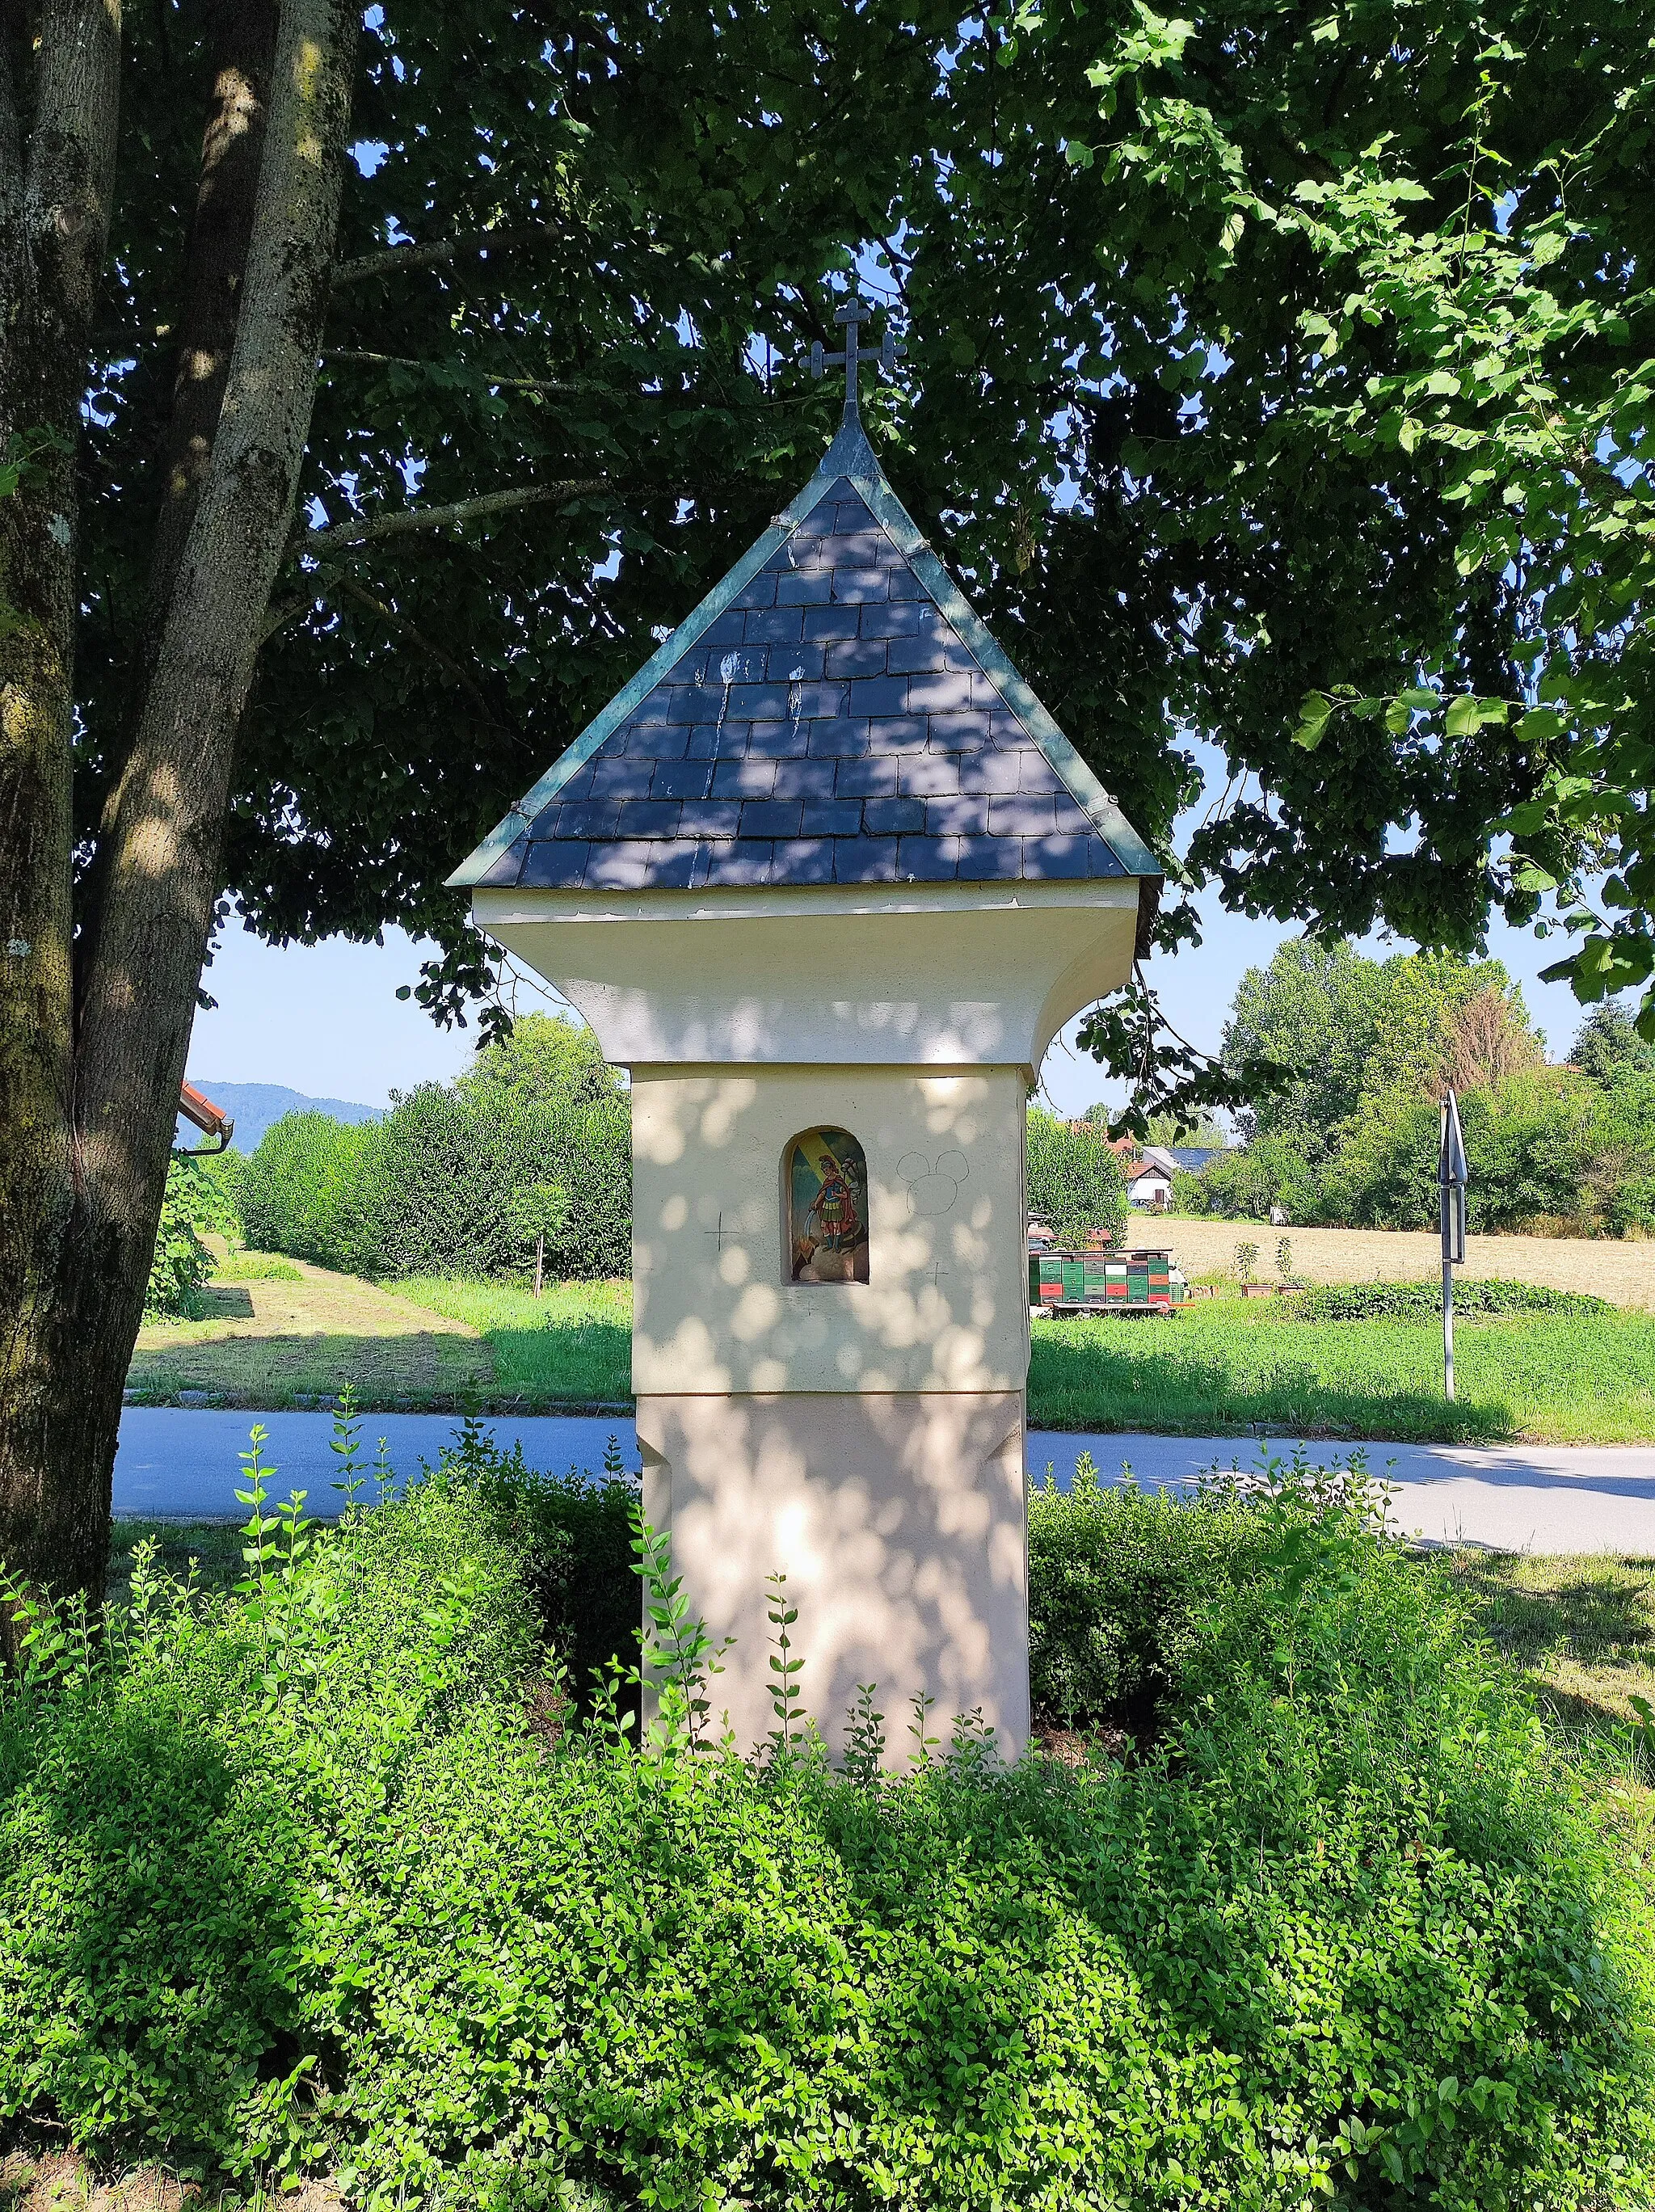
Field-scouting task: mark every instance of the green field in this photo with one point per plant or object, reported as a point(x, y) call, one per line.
point(574, 1342)
point(1229, 1364)
point(1223, 1365)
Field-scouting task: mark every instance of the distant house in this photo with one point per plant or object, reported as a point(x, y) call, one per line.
point(196, 1107)
point(1149, 1182)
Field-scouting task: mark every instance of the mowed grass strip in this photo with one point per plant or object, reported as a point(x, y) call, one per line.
point(1223, 1365)
point(266, 1340)
point(1229, 1366)
point(572, 1345)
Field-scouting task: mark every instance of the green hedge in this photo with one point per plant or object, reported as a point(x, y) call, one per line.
point(296, 1189)
point(431, 1189)
point(294, 1882)
point(1473, 1294)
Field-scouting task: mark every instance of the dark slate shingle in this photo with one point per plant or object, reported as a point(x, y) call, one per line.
point(830, 725)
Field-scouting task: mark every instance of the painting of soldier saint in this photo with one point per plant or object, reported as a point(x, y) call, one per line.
point(828, 1207)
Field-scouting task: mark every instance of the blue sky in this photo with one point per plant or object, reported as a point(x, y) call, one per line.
point(326, 1020)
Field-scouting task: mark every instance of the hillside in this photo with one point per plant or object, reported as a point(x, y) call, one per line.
point(254, 1106)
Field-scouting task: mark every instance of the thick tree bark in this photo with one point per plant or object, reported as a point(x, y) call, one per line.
point(240, 43)
point(54, 217)
point(141, 964)
point(241, 36)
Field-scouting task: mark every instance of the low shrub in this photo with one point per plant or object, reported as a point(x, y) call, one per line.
point(1420, 1301)
point(291, 1879)
point(1632, 1209)
point(575, 1533)
point(1118, 1580)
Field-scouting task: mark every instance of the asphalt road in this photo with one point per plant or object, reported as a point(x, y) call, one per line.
point(180, 1463)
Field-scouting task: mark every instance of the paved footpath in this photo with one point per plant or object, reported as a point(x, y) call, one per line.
point(181, 1463)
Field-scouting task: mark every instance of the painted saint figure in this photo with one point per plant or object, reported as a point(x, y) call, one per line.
point(826, 1185)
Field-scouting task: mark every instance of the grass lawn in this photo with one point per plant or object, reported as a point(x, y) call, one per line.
point(1228, 1364)
point(1222, 1366)
point(268, 1340)
point(574, 1343)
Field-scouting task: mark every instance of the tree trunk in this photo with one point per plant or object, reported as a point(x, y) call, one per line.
point(54, 219)
point(242, 36)
point(143, 958)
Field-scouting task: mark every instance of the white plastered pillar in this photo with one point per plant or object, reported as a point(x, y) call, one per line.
point(865, 1440)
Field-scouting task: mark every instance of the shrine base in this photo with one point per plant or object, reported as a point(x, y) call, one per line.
point(901, 1522)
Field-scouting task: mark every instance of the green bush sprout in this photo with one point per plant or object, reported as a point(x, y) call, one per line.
point(1342, 1927)
point(1421, 1301)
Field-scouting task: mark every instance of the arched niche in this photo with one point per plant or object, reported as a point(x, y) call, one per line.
point(824, 1174)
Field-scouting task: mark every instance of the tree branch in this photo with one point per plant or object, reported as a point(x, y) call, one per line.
point(368, 530)
point(360, 356)
point(167, 822)
point(369, 601)
point(396, 258)
point(215, 263)
point(71, 151)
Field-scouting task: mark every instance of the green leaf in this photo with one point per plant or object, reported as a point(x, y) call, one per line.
point(1316, 710)
point(1539, 724)
point(1465, 716)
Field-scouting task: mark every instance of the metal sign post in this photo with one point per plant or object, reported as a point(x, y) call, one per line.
point(1452, 1176)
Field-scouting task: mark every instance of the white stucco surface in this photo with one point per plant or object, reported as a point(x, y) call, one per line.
point(900, 1524)
point(864, 1438)
point(941, 975)
point(946, 1304)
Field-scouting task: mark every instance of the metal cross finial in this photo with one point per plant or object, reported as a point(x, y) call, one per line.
point(852, 316)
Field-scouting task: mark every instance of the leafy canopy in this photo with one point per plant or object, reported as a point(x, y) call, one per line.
point(1276, 377)
point(1074, 1182)
point(1347, 1029)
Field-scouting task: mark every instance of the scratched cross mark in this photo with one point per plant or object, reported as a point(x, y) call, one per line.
point(721, 1235)
point(938, 1272)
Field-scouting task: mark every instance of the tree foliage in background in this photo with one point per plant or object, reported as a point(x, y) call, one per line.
point(1289, 367)
point(1367, 1049)
point(1608, 1045)
point(1530, 1140)
point(1344, 1028)
point(1075, 1180)
point(448, 1183)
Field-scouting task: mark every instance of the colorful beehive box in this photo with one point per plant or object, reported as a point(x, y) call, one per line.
point(1121, 1281)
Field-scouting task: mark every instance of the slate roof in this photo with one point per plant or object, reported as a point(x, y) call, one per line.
point(832, 713)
